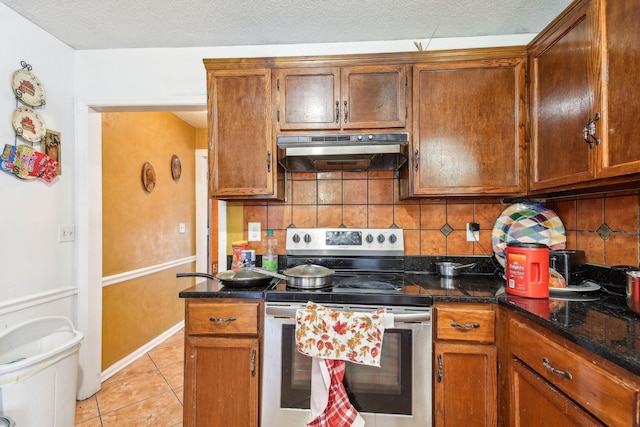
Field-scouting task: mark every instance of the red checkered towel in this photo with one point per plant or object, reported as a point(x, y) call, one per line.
point(330, 406)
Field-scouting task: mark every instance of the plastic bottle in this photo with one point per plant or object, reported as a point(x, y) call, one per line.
point(270, 256)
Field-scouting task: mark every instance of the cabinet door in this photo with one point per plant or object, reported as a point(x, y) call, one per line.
point(536, 403)
point(374, 97)
point(308, 98)
point(620, 151)
point(465, 385)
point(221, 382)
point(468, 121)
point(242, 146)
point(565, 88)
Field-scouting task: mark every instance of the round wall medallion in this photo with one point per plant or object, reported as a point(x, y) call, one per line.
point(176, 168)
point(148, 177)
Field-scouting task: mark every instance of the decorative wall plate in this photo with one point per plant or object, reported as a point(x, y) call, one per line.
point(28, 88)
point(527, 223)
point(176, 168)
point(28, 124)
point(148, 177)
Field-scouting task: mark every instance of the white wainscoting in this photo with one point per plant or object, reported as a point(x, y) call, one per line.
point(134, 274)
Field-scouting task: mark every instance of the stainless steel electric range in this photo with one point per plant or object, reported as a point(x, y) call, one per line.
point(368, 267)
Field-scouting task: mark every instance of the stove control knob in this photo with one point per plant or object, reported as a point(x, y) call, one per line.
point(380, 238)
point(296, 238)
point(307, 238)
point(369, 238)
point(393, 238)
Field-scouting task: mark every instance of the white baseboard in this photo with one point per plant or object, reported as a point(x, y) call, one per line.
point(123, 363)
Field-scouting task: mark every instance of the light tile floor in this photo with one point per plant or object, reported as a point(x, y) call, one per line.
point(148, 392)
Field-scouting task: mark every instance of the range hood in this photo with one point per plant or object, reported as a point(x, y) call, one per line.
point(352, 152)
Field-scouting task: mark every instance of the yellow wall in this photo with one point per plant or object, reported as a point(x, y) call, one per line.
point(141, 229)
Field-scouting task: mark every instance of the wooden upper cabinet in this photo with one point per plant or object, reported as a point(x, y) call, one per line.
point(242, 156)
point(468, 128)
point(582, 69)
point(620, 150)
point(341, 98)
point(564, 96)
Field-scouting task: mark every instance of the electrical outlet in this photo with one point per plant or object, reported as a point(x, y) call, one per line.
point(182, 227)
point(66, 232)
point(254, 232)
point(473, 232)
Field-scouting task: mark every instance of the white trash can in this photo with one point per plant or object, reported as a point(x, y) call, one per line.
point(39, 372)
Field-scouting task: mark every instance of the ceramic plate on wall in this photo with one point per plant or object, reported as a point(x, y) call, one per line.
point(28, 88)
point(29, 124)
point(527, 223)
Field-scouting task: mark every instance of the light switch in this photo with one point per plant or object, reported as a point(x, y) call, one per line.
point(254, 232)
point(66, 233)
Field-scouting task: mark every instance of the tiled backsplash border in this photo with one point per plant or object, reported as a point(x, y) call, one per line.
point(606, 226)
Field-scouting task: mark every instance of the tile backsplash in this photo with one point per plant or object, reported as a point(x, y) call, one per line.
point(605, 225)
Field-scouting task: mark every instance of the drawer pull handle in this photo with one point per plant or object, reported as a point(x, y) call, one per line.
point(253, 362)
point(465, 325)
point(547, 365)
point(217, 320)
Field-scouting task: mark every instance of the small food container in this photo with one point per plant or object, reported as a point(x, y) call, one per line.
point(527, 269)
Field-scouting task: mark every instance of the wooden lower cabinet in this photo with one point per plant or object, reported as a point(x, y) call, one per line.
point(465, 368)
point(465, 385)
point(548, 380)
point(222, 363)
point(537, 403)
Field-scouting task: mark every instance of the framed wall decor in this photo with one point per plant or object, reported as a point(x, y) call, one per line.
point(51, 147)
point(148, 177)
point(176, 168)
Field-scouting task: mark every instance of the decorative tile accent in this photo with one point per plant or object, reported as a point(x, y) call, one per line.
point(446, 229)
point(604, 231)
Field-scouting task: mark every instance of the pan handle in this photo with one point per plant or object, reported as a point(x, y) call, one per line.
point(208, 276)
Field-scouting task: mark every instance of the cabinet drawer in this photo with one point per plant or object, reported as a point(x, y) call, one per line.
point(222, 318)
point(607, 396)
point(465, 322)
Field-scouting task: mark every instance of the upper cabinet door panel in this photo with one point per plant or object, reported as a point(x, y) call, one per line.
point(374, 97)
point(308, 98)
point(468, 121)
point(240, 133)
point(335, 98)
point(620, 148)
point(564, 95)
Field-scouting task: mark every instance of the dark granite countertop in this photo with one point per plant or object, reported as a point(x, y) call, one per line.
point(214, 289)
point(598, 321)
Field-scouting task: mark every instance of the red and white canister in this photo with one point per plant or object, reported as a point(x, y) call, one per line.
point(527, 269)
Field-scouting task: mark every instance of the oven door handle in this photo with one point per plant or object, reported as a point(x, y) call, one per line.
point(397, 318)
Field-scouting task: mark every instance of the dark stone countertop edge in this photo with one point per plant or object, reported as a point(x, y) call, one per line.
point(629, 363)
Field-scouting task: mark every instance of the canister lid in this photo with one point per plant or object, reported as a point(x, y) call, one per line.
point(526, 245)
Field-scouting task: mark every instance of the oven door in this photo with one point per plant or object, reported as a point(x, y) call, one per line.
point(397, 394)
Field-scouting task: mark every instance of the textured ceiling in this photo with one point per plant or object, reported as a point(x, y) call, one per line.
point(109, 24)
point(116, 24)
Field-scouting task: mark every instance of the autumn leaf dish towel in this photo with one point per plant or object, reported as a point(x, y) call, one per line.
point(332, 337)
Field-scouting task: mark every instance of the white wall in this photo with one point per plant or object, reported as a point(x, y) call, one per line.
point(37, 273)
